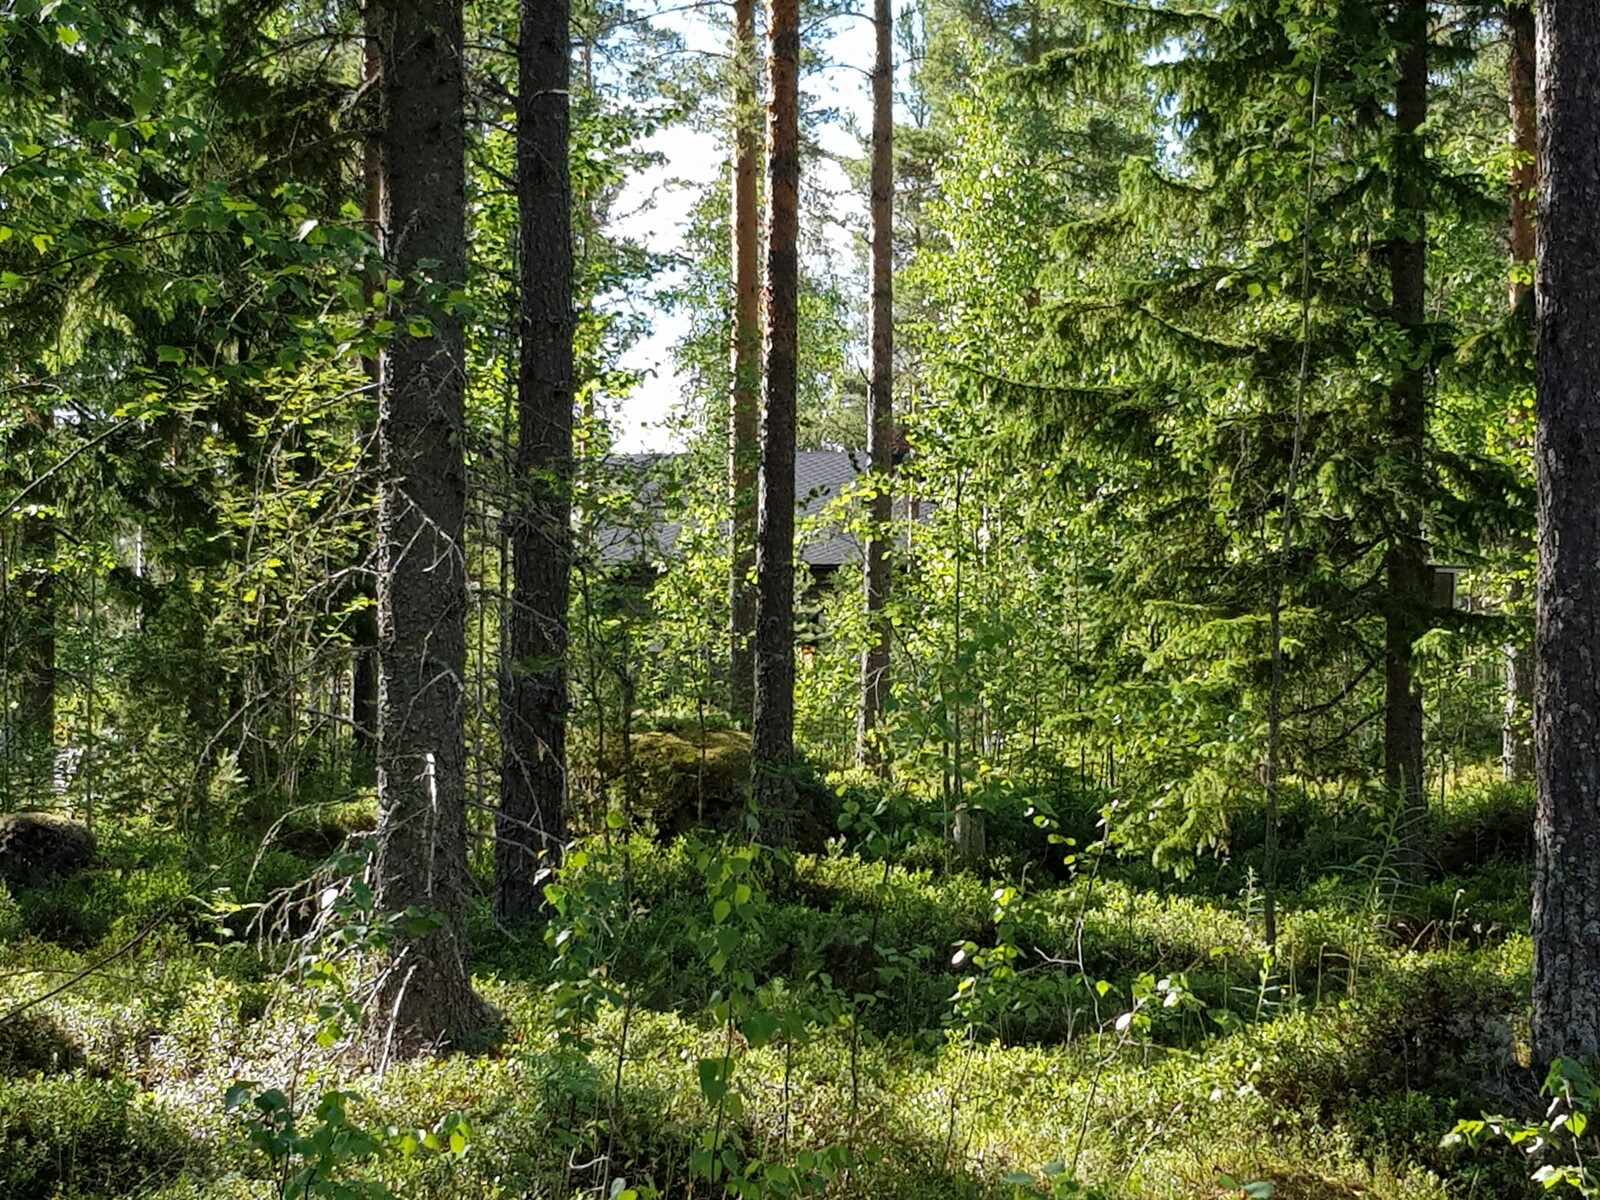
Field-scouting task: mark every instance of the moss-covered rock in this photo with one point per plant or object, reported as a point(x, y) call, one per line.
point(692, 778)
point(37, 847)
point(320, 830)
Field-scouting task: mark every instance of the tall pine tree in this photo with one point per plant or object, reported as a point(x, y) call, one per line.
point(421, 870)
point(1566, 885)
point(772, 737)
point(530, 827)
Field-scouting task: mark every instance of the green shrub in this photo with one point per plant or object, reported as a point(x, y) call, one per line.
point(81, 912)
point(12, 924)
point(33, 1043)
point(70, 1136)
point(1427, 1023)
point(1485, 825)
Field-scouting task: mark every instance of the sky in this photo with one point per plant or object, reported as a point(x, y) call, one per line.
point(656, 205)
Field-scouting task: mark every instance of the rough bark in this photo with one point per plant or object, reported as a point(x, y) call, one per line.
point(744, 397)
point(530, 827)
point(1408, 577)
point(426, 995)
point(36, 702)
point(772, 736)
point(364, 634)
point(1516, 742)
point(880, 398)
point(1566, 885)
point(1521, 71)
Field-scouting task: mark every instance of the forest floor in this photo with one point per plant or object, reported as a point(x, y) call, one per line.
point(863, 1022)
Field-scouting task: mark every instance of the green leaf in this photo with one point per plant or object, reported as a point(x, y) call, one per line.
point(759, 1028)
point(714, 1078)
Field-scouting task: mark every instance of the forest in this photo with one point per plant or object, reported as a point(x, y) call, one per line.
point(1089, 692)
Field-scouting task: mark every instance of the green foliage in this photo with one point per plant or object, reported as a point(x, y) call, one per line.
point(1559, 1136)
point(11, 921)
point(1103, 213)
point(76, 1136)
point(324, 1156)
point(35, 1044)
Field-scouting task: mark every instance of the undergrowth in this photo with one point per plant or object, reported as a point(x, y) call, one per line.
point(705, 1019)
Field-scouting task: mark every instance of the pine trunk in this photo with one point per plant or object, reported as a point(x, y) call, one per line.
point(1516, 744)
point(530, 827)
point(772, 738)
point(1566, 884)
point(426, 996)
point(1521, 72)
point(36, 707)
point(880, 398)
point(744, 398)
point(1409, 579)
point(364, 634)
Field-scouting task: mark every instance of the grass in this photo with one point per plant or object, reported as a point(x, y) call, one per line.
point(1127, 1033)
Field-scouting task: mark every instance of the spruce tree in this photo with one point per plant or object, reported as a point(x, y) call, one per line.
point(1180, 345)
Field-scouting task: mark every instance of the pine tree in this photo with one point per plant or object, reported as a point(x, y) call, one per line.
point(744, 391)
point(880, 394)
point(1408, 577)
point(421, 869)
point(1566, 885)
point(530, 827)
point(772, 738)
point(1516, 746)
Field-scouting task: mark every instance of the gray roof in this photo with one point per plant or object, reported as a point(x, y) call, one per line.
point(638, 531)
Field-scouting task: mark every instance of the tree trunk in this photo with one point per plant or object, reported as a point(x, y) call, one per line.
point(364, 632)
point(36, 704)
point(1516, 744)
point(426, 995)
point(880, 398)
point(744, 398)
point(531, 825)
point(1566, 882)
point(772, 738)
point(1521, 72)
point(1409, 580)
